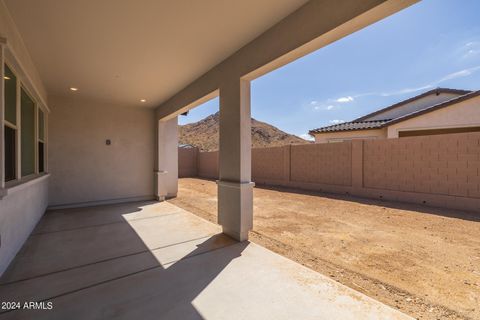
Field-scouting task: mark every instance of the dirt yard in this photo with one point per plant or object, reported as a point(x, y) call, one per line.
point(423, 261)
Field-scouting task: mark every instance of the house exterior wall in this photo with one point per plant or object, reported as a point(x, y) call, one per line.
point(84, 170)
point(349, 135)
point(462, 114)
point(166, 166)
point(24, 202)
point(20, 211)
point(413, 106)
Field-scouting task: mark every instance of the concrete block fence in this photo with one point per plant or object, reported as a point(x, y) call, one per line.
point(440, 171)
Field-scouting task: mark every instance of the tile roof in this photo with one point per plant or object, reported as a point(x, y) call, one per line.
point(353, 125)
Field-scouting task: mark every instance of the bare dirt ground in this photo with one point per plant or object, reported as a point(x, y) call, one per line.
point(422, 261)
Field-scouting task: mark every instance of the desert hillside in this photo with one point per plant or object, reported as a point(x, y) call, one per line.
point(204, 134)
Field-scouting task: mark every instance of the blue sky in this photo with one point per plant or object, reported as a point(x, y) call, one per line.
point(435, 43)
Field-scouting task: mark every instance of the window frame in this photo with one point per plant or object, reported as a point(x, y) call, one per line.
point(38, 107)
point(23, 89)
point(39, 140)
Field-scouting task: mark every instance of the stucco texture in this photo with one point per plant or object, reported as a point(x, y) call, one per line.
point(349, 135)
point(84, 168)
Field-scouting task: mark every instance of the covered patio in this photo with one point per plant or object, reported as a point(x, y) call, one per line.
point(90, 93)
point(148, 260)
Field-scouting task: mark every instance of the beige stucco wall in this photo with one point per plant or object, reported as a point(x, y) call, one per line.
point(21, 205)
point(349, 135)
point(463, 114)
point(166, 166)
point(83, 168)
point(20, 211)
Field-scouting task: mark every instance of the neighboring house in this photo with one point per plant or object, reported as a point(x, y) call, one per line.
point(438, 111)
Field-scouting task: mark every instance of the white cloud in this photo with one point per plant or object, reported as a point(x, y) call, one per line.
point(470, 49)
point(406, 90)
point(459, 74)
point(454, 75)
point(314, 102)
point(323, 107)
point(345, 99)
point(336, 121)
point(306, 136)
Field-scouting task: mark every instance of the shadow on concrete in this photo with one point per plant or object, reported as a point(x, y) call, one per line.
point(92, 264)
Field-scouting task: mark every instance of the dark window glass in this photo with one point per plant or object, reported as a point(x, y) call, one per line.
point(27, 134)
point(10, 96)
point(41, 152)
point(41, 125)
point(10, 163)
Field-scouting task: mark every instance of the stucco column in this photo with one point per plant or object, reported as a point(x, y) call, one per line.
point(166, 174)
point(235, 189)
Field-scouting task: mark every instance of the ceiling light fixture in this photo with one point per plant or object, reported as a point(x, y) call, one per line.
point(73, 89)
point(143, 100)
point(6, 78)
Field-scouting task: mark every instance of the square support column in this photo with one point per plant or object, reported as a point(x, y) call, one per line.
point(235, 189)
point(166, 173)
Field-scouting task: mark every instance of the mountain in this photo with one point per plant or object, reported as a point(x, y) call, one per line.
point(204, 134)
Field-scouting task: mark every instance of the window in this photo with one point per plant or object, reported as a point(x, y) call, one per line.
point(10, 142)
point(41, 141)
point(10, 124)
point(27, 134)
point(24, 130)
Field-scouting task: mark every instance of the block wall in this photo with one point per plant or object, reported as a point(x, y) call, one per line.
point(187, 162)
point(443, 164)
point(441, 171)
point(207, 164)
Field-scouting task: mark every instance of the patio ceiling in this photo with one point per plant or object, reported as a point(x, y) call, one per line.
point(121, 51)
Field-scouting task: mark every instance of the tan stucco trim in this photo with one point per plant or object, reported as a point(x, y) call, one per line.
point(326, 137)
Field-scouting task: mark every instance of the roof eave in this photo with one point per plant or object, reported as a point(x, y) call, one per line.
point(420, 96)
point(312, 132)
point(436, 107)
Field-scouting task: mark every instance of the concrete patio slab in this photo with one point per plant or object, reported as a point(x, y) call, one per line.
point(161, 262)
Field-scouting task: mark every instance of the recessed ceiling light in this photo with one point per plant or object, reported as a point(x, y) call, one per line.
point(143, 100)
point(6, 78)
point(73, 89)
